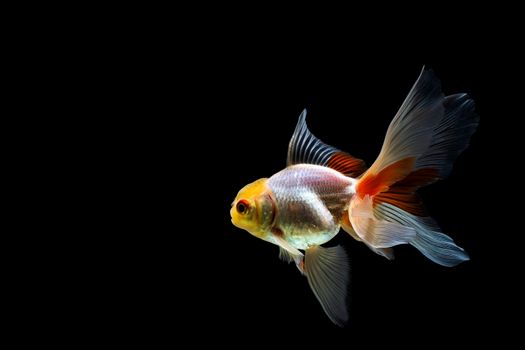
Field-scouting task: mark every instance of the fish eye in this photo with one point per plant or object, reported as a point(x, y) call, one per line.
point(242, 206)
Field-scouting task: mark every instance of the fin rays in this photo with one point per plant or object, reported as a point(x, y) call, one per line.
point(304, 147)
point(327, 271)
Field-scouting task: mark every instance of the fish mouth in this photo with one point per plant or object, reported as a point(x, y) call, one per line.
point(235, 224)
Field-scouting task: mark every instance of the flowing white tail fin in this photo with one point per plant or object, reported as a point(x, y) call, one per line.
point(422, 142)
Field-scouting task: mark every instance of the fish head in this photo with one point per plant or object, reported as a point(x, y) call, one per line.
point(254, 208)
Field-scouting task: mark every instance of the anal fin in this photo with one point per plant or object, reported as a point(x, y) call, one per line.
point(375, 232)
point(386, 252)
point(347, 227)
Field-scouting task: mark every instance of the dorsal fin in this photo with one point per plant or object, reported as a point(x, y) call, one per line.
point(304, 148)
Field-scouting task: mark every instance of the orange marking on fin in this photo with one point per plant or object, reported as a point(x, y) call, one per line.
point(373, 184)
point(301, 266)
point(402, 194)
point(346, 164)
point(408, 202)
point(345, 220)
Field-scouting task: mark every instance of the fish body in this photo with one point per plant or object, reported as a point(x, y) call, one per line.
point(310, 202)
point(323, 189)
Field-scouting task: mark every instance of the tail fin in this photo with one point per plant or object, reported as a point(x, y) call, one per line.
point(451, 136)
point(432, 243)
point(421, 143)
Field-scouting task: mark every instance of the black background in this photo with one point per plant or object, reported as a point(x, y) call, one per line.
point(195, 127)
point(147, 122)
point(187, 263)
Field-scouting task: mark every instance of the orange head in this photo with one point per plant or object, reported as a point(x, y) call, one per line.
point(253, 209)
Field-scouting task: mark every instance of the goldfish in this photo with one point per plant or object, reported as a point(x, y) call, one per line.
point(323, 189)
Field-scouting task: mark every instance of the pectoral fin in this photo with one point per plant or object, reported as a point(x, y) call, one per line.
point(327, 271)
point(286, 246)
point(285, 256)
